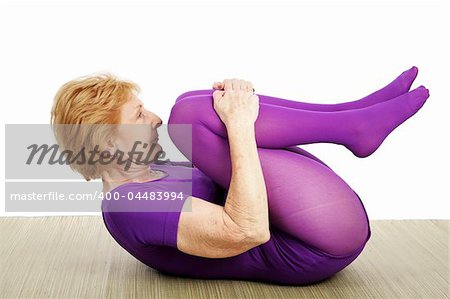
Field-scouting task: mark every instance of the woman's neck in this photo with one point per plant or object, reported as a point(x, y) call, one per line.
point(115, 177)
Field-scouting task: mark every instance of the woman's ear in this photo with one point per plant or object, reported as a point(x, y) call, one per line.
point(110, 147)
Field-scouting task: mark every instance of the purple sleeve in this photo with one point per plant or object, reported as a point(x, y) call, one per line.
point(142, 225)
point(147, 228)
point(171, 228)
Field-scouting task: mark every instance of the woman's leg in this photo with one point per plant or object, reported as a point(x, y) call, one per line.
point(306, 199)
point(398, 86)
point(361, 130)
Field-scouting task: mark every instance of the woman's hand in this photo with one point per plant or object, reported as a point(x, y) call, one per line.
point(234, 84)
point(236, 107)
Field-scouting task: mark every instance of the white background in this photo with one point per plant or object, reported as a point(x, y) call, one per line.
point(322, 52)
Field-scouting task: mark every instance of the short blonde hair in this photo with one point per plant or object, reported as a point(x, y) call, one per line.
point(96, 100)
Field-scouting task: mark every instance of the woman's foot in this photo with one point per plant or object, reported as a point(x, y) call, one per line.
point(375, 123)
point(400, 85)
point(406, 79)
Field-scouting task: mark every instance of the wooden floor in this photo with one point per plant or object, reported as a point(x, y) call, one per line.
point(75, 257)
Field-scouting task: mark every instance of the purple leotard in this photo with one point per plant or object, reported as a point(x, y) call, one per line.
point(151, 238)
point(318, 224)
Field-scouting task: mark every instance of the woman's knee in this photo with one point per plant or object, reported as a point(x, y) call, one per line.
point(183, 112)
point(197, 109)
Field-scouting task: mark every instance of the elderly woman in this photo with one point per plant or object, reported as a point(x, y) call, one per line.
point(262, 208)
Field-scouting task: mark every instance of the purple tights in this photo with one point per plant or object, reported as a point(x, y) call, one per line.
point(307, 199)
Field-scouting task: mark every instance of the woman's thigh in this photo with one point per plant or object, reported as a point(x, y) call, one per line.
point(305, 153)
point(311, 202)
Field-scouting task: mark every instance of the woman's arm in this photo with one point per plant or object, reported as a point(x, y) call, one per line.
point(246, 201)
point(214, 231)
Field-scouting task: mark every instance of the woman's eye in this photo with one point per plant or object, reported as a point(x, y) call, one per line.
point(140, 114)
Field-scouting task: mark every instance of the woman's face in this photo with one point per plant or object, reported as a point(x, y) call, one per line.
point(137, 130)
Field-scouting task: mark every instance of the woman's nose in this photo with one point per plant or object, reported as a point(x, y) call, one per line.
point(157, 124)
point(153, 119)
